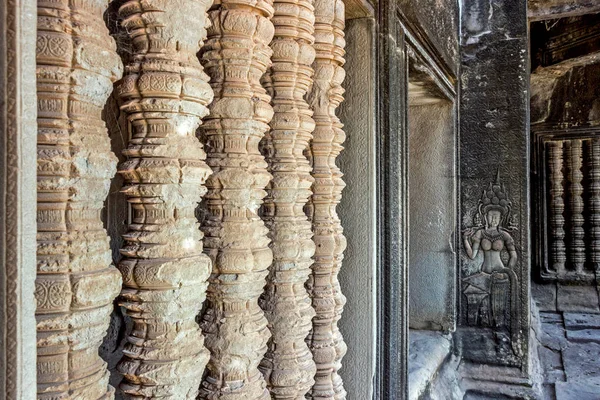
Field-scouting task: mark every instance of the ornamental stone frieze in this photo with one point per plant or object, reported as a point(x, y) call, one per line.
point(288, 365)
point(76, 283)
point(165, 94)
point(325, 340)
point(236, 56)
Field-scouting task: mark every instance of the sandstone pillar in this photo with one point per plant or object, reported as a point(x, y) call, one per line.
point(236, 55)
point(165, 94)
point(325, 340)
point(17, 202)
point(76, 284)
point(288, 365)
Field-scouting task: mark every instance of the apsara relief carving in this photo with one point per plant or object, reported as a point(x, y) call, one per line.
point(325, 339)
point(235, 56)
point(76, 283)
point(288, 365)
point(492, 292)
point(164, 93)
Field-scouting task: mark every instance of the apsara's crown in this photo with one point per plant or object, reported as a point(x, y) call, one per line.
point(495, 197)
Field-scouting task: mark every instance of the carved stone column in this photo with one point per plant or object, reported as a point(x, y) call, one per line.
point(236, 55)
point(557, 207)
point(76, 284)
point(575, 177)
point(288, 365)
point(165, 94)
point(325, 340)
point(594, 204)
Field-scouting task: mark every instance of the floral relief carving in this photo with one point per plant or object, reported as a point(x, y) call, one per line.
point(76, 283)
point(165, 94)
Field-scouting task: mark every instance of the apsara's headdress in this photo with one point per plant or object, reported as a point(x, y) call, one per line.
point(495, 197)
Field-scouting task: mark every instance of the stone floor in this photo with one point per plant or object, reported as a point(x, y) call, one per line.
point(570, 355)
point(427, 352)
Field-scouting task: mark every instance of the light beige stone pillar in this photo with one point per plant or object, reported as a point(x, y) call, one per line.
point(76, 283)
point(164, 94)
point(325, 340)
point(288, 365)
point(236, 55)
point(17, 200)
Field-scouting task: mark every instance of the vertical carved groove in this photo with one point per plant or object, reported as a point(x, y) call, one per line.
point(76, 283)
point(325, 340)
point(557, 207)
point(595, 202)
point(236, 56)
point(288, 365)
point(165, 93)
point(577, 245)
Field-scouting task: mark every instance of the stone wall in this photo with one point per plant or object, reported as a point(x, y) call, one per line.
point(494, 171)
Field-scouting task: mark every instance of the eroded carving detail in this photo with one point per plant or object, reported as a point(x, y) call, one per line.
point(288, 365)
point(76, 283)
point(594, 164)
point(557, 206)
point(236, 55)
point(325, 339)
point(575, 176)
point(165, 93)
point(492, 292)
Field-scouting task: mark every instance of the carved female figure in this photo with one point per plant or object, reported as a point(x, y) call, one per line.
point(492, 291)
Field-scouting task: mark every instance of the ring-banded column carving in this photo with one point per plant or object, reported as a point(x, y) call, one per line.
point(594, 168)
point(235, 56)
point(325, 340)
point(76, 283)
point(557, 206)
point(165, 94)
point(574, 164)
point(288, 365)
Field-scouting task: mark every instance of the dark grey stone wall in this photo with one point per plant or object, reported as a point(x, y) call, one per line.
point(567, 93)
point(437, 21)
point(494, 137)
point(432, 261)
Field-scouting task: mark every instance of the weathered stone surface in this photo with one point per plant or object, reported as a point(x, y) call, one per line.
point(288, 365)
point(576, 391)
point(427, 351)
point(445, 384)
point(325, 339)
point(236, 56)
point(432, 266)
point(544, 296)
point(17, 200)
point(165, 94)
point(552, 333)
point(581, 363)
point(567, 92)
point(575, 298)
point(552, 365)
point(438, 22)
point(76, 284)
point(357, 208)
point(584, 335)
point(581, 320)
point(494, 137)
point(551, 9)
